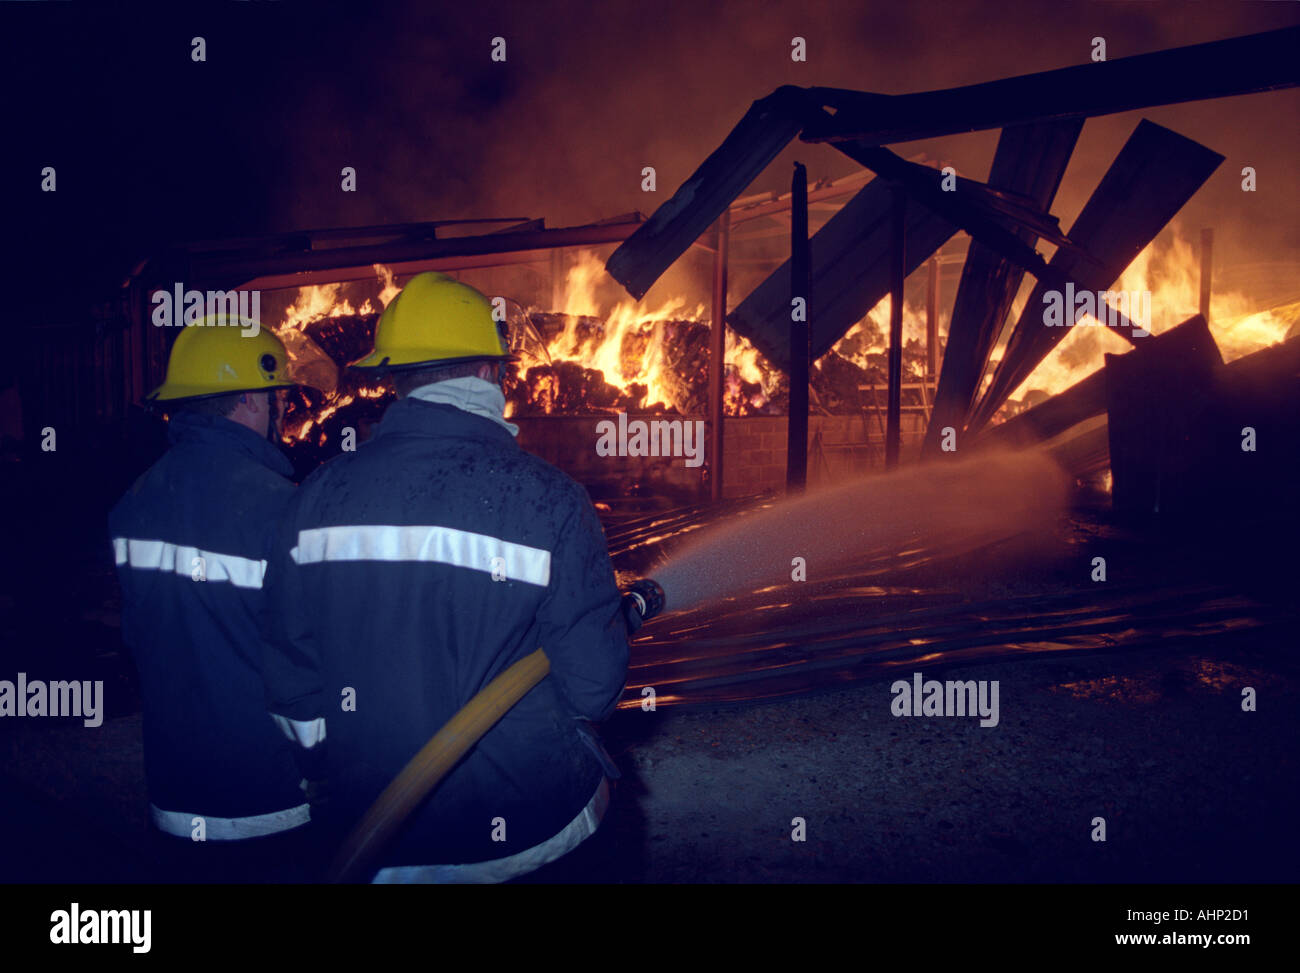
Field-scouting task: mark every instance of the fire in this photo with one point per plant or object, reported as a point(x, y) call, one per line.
point(639, 350)
point(390, 289)
point(870, 337)
point(1169, 269)
point(322, 301)
point(637, 357)
point(308, 412)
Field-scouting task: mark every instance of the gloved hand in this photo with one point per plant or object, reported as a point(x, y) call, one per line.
point(317, 792)
point(631, 614)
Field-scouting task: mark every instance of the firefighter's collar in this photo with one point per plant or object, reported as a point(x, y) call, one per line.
point(469, 394)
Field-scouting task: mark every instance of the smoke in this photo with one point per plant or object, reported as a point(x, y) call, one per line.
point(153, 148)
point(942, 509)
point(591, 94)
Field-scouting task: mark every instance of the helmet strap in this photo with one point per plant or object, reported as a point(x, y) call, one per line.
point(272, 432)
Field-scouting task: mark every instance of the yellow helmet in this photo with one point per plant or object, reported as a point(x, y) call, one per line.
point(436, 320)
point(213, 357)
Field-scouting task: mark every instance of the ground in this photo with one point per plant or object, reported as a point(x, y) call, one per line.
point(1192, 788)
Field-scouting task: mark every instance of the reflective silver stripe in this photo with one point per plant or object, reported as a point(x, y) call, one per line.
point(575, 833)
point(445, 545)
point(305, 733)
point(242, 572)
point(181, 823)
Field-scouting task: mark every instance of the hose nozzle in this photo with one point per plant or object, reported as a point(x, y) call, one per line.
point(643, 599)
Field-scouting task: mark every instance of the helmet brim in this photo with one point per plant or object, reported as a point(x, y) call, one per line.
point(186, 394)
point(382, 365)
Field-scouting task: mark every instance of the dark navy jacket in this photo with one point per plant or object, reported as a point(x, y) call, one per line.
point(409, 574)
point(208, 508)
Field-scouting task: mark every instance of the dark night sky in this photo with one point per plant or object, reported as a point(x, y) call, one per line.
point(151, 147)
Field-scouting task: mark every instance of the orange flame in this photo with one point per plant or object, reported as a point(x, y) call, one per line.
point(629, 347)
point(1169, 268)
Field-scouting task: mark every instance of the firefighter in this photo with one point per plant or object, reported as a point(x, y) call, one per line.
point(190, 540)
point(411, 572)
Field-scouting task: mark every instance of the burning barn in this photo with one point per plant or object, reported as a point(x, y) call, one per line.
point(1154, 403)
point(913, 318)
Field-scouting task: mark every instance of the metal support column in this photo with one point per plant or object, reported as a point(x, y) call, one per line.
point(898, 273)
point(932, 323)
point(796, 463)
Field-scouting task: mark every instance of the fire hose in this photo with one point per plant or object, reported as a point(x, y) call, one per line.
point(643, 599)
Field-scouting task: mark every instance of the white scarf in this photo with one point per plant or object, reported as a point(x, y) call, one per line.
point(469, 394)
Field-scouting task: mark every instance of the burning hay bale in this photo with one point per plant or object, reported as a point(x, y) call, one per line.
point(567, 388)
point(315, 421)
point(597, 367)
point(658, 367)
point(662, 367)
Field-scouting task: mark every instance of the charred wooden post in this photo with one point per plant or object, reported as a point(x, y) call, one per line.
point(796, 462)
point(898, 274)
point(1207, 252)
point(717, 351)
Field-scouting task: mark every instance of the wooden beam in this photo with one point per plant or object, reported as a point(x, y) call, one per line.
point(1236, 66)
point(228, 270)
point(304, 239)
point(400, 268)
point(766, 206)
point(1155, 173)
point(986, 215)
point(850, 273)
point(767, 128)
point(1030, 159)
point(1082, 400)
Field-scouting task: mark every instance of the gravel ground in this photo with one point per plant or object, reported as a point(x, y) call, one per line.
point(1191, 787)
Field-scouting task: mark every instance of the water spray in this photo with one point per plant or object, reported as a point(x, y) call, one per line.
point(946, 508)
